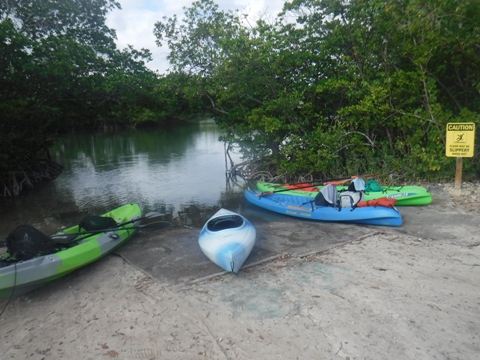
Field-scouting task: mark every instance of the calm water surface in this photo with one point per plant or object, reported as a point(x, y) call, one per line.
point(181, 172)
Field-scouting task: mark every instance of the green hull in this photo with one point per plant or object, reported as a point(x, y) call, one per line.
point(405, 195)
point(24, 276)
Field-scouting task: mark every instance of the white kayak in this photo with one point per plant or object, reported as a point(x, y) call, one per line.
point(227, 239)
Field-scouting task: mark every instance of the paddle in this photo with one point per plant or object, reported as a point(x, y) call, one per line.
point(144, 220)
point(344, 181)
point(67, 238)
point(316, 183)
point(147, 220)
point(332, 181)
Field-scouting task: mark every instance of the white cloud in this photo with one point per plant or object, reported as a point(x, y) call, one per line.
point(134, 24)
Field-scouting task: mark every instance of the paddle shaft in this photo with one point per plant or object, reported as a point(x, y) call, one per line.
point(320, 182)
point(150, 216)
point(316, 184)
point(66, 238)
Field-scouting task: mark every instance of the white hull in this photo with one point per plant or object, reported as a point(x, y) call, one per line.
point(227, 239)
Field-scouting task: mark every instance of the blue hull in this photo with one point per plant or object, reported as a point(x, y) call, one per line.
point(302, 207)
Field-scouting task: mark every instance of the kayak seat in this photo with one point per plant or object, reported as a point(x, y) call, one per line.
point(225, 222)
point(357, 184)
point(27, 242)
point(328, 196)
point(96, 222)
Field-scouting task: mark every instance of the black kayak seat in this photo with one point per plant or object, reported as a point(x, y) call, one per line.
point(27, 242)
point(96, 222)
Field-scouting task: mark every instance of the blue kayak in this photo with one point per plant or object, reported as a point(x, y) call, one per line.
point(304, 207)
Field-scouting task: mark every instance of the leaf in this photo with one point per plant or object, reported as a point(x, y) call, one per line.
point(112, 353)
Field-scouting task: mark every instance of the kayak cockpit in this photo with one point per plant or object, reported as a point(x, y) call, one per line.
point(225, 222)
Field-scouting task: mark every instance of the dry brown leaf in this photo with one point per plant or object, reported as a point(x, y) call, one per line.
point(112, 353)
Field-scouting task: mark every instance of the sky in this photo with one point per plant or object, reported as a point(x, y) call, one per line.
point(134, 23)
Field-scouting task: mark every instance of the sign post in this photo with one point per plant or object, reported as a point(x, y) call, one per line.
point(460, 144)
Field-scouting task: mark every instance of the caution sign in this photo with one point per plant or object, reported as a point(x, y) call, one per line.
point(460, 139)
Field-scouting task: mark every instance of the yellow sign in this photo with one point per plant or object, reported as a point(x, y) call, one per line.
point(460, 139)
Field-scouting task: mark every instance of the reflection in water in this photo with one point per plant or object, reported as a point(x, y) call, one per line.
point(180, 171)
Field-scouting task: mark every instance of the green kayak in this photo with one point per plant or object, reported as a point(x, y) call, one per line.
point(405, 195)
point(74, 247)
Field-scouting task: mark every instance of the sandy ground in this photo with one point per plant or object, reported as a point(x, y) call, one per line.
point(382, 296)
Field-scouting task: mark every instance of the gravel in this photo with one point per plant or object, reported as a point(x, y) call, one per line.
point(467, 198)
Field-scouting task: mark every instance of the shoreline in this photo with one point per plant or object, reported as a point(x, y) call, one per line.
point(377, 295)
point(381, 297)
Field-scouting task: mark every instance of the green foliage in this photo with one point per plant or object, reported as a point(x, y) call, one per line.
point(195, 45)
point(331, 87)
point(60, 70)
point(346, 87)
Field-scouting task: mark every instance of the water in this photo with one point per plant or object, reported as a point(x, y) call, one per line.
point(181, 172)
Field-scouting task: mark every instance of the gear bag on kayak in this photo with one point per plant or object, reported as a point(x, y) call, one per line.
point(372, 186)
point(350, 199)
point(384, 201)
